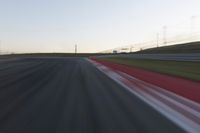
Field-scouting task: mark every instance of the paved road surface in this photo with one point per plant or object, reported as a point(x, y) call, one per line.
point(174, 57)
point(69, 95)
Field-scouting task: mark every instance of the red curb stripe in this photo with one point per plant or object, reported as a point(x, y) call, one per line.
point(182, 87)
point(167, 103)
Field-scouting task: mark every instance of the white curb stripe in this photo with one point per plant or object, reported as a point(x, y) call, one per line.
point(182, 111)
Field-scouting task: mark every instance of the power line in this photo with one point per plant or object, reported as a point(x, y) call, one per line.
point(186, 31)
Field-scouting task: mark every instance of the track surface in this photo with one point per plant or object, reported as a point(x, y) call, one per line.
point(60, 95)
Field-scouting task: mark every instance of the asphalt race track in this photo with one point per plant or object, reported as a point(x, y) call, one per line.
point(70, 95)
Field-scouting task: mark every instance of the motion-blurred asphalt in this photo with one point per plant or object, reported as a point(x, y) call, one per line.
point(69, 95)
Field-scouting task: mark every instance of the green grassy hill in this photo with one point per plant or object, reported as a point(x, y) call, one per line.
point(193, 47)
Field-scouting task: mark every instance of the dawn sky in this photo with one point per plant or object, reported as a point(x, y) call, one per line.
point(95, 25)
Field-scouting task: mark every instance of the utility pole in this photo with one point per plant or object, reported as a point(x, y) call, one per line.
point(157, 39)
point(192, 26)
point(164, 35)
point(0, 48)
point(131, 49)
point(192, 19)
point(76, 49)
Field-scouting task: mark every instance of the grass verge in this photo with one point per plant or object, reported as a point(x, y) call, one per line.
point(187, 70)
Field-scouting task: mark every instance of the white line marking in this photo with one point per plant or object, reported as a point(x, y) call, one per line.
point(148, 93)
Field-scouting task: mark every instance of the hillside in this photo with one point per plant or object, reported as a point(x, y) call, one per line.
point(193, 47)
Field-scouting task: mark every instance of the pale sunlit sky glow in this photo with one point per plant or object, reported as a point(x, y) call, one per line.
point(95, 25)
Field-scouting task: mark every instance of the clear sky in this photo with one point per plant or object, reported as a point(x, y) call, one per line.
point(95, 25)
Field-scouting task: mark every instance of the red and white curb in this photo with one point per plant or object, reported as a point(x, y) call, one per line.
point(182, 111)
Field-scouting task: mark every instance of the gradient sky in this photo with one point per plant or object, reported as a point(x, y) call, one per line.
point(95, 25)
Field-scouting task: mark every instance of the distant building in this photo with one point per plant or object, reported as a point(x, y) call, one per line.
point(114, 51)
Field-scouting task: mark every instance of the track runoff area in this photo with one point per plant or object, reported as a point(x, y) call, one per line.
point(182, 111)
